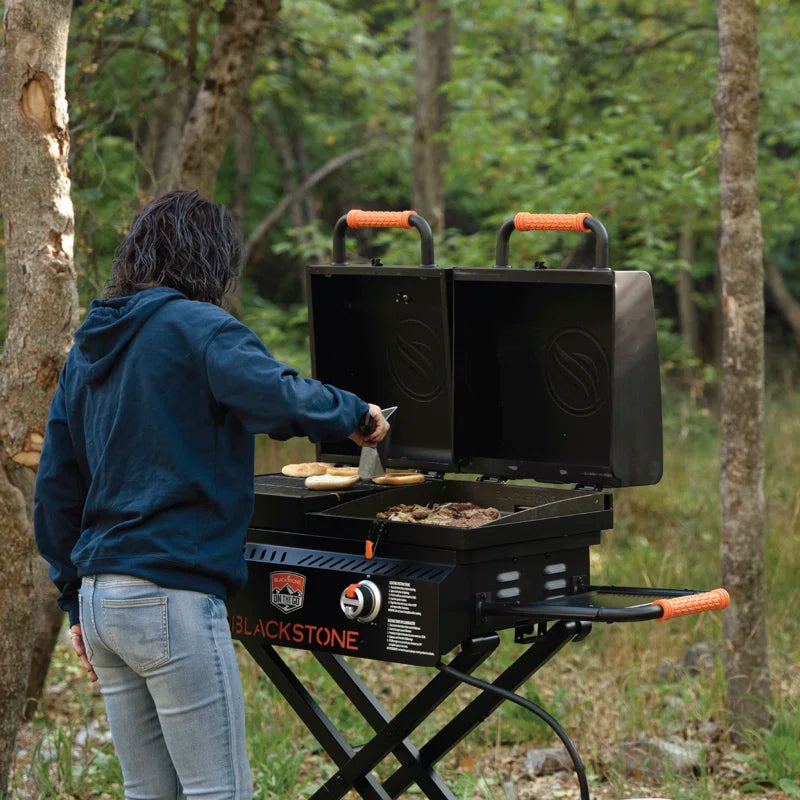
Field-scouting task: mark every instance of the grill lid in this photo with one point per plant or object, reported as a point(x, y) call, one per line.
point(545, 374)
point(556, 375)
point(384, 333)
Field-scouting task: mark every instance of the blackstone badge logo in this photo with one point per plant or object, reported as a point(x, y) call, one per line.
point(287, 590)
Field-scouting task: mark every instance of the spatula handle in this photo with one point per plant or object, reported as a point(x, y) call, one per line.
point(367, 424)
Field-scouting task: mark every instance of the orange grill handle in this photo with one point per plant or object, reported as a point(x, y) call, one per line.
point(379, 219)
point(583, 223)
point(715, 600)
point(551, 222)
point(383, 219)
point(368, 549)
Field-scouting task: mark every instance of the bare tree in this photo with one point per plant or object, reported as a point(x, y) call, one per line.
point(736, 105)
point(42, 308)
point(788, 306)
point(431, 112)
point(243, 25)
point(687, 308)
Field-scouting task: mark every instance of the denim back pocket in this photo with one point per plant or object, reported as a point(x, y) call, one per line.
point(138, 630)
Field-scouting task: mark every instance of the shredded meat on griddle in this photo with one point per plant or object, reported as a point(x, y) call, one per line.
point(453, 515)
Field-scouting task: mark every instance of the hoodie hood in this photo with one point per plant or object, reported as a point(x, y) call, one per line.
point(110, 326)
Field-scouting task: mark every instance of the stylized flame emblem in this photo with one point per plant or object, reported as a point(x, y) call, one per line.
point(577, 374)
point(413, 351)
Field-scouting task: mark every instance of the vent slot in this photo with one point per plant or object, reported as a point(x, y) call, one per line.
point(263, 553)
point(555, 569)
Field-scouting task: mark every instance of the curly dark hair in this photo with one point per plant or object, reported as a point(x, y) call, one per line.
point(179, 240)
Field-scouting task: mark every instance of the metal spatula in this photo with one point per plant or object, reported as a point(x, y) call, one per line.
point(372, 461)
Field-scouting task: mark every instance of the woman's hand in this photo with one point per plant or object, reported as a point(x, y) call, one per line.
point(76, 637)
point(381, 429)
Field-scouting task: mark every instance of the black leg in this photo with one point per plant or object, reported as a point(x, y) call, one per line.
point(314, 718)
point(400, 726)
point(376, 715)
point(535, 657)
point(355, 766)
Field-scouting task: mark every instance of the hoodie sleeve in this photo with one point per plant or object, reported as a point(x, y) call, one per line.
point(58, 504)
point(269, 397)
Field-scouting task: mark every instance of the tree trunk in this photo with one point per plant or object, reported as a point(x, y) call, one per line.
point(164, 127)
point(309, 205)
point(687, 310)
point(42, 308)
point(431, 113)
point(48, 619)
point(736, 106)
point(243, 24)
point(788, 306)
point(283, 144)
point(244, 139)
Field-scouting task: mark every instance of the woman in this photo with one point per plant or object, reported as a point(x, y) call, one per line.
point(145, 490)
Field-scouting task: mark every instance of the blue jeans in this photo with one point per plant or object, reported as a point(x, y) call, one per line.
point(169, 678)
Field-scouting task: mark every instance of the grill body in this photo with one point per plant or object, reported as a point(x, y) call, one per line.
point(429, 579)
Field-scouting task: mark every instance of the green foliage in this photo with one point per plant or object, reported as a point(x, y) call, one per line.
point(60, 768)
point(554, 107)
point(774, 757)
point(284, 330)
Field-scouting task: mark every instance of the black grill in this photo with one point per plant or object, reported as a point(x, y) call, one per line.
point(538, 374)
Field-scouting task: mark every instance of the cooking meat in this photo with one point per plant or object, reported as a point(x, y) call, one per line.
point(453, 515)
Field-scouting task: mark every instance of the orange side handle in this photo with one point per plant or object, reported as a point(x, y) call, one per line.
point(550, 222)
point(715, 600)
point(368, 549)
point(379, 219)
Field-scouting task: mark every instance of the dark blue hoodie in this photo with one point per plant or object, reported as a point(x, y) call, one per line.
point(147, 463)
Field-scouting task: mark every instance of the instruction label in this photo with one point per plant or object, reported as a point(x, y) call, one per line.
point(403, 630)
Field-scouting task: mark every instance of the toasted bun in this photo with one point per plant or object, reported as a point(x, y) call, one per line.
point(400, 479)
point(304, 470)
point(346, 471)
point(331, 483)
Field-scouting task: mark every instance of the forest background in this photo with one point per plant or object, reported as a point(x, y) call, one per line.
point(545, 106)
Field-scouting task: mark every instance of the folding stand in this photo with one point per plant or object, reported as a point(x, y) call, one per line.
point(417, 765)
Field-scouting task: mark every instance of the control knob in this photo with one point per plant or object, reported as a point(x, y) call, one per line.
point(361, 601)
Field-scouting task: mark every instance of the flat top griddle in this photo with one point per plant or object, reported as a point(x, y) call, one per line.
point(282, 503)
point(283, 485)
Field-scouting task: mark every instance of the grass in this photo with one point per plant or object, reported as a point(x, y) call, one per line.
point(605, 690)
